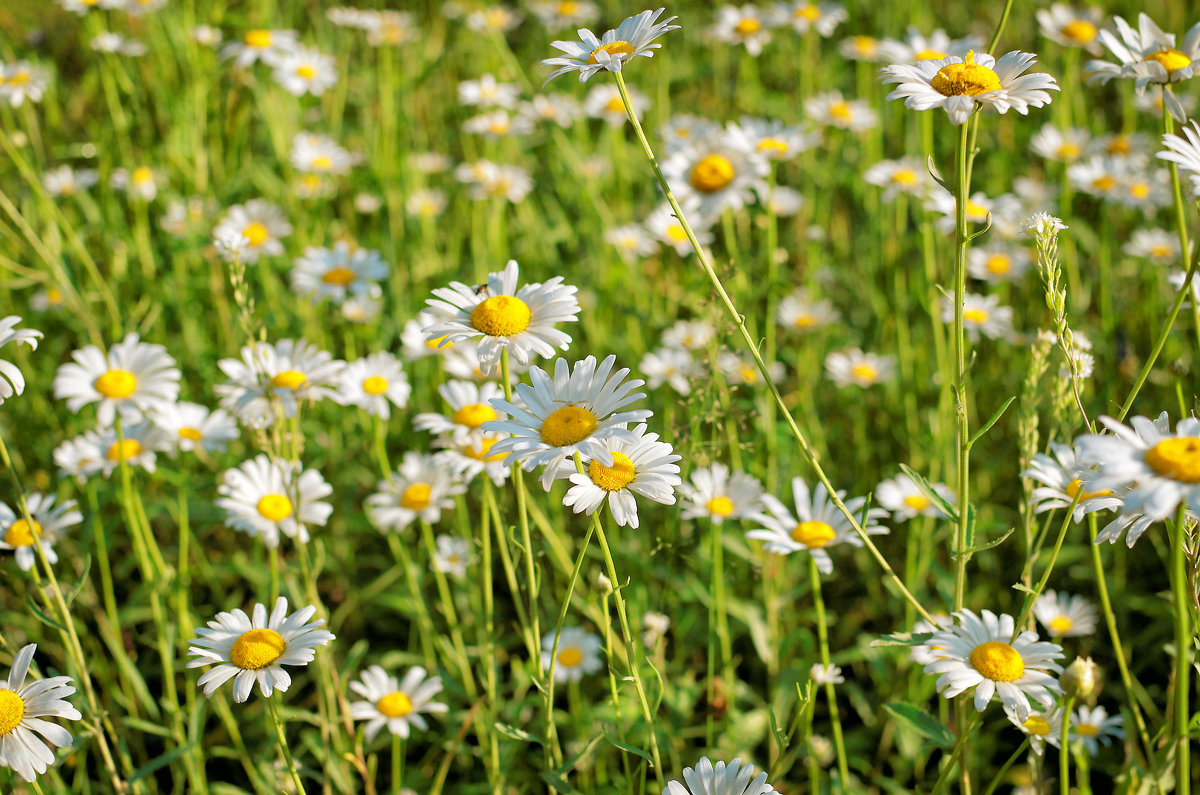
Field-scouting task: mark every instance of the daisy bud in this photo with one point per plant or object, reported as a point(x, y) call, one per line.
point(1081, 679)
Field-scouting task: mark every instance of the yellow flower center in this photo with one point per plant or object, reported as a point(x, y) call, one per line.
point(615, 105)
point(1075, 485)
point(568, 425)
point(501, 316)
point(1087, 730)
point(437, 345)
point(747, 26)
point(569, 658)
point(19, 534)
point(840, 110)
point(864, 45)
point(255, 233)
point(375, 385)
point(481, 453)
point(257, 649)
point(1139, 190)
point(1178, 459)
point(473, 415)
point(977, 316)
point(1067, 151)
point(1171, 60)
point(615, 477)
point(1104, 183)
point(1037, 725)
point(773, 147)
point(130, 448)
point(1080, 31)
point(976, 211)
point(712, 173)
point(321, 163)
point(416, 497)
point(339, 276)
point(998, 661)
point(258, 39)
point(307, 72)
point(719, 506)
point(142, 175)
point(499, 125)
point(904, 176)
point(917, 502)
point(965, 79)
point(54, 296)
point(810, 12)
point(813, 535)
point(116, 384)
point(864, 372)
point(568, 8)
point(18, 79)
point(805, 320)
point(613, 48)
point(1061, 624)
point(275, 507)
point(12, 709)
point(289, 379)
point(193, 434)
point(1161, 251)
point(1119, 145)
point(676, 234)
point(394, 705)
point(931, 55)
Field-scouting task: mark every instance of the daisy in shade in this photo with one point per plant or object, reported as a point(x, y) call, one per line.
point(503, 317)
point(715, 493)
point(1041, 726)
point(1065, 615)
point(717, 172)
point(804, 15)
point(642, 465)
point(250, 649)
point(374, 383)
point(192, 425)
point(421, 488)
point(917, 47)
point(66, 181)
point(826, 675)
point(23, 712)
point(470, 407)
point(734, 779)
point(395, 704)
point(816, 524)
point(49, 522)
point(140, 183)
point(633, 37)
point(1095, 728)
point(1062, 477)
point(1071, 27)
point(1148, 56)
point(265, 45)
point(12, 382)
point(982, 315)
point(283, 374)
point(453, 555)
point(980, 652)
point(961, 85)
point(337, 272)
point(1185, 150)
point(747, 25)
point(852, 366)
point(265, 498)
point(905, 500)
point(131, 378)
point(577, 410)
point(577, 654)
point(260, 223)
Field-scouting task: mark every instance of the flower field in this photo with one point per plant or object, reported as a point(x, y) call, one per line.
point(570, 397)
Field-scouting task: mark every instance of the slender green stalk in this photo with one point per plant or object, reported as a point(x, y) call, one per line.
point(1183, 652)
point(283, 746)
point(1064, 748)
point(955, 755)
point(1005, 767)
point(959, 358)
point(1030, 598)
point(397, 764)
point(830, 695)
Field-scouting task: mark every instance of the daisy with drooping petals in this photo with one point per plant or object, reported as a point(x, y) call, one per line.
point(285, 373)
point(577, 410)
point(101, 451)
point(982, 315)
point(1071, 27)
point(131, 378)
point(817, 523)
point(908, 175)
point(422, 487)
point(826, 675)
point(12, 382)
point(396, 704)
point(265, 45)
point(852, 366)
point(23, 712)
point(260, 224)
point(1041, 726)
point(734, 779)
point(578, 653)
point(918, 47)
point(980, 652)
point(470, 406)
point(250, 649)
point(905, 500)
point(504, 317)
point(374, 383)
point(1095, 728)
point(1065, 615)
point(49, 520)
point(1148, 56)
point(633, 37)
point(799, 312)
point(1062, 477)
point(717, 494)
point(337, 272)
point(265, 498)
point(962, 85)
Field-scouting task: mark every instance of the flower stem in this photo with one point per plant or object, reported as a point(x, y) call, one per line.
point(283, 746)
point(1064, 748)
point(823, 641)
point(962, 178)
point(1004, 768)
point(1183, 651)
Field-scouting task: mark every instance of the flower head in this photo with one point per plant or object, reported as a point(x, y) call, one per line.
point(49, 521)
point(396, 704)
point(577, 654)
point(1065, 615)
point(265, 498)
point(23, 712)
point(11, 380)
point(734, 779)
point(131, 378)
point(633, 37)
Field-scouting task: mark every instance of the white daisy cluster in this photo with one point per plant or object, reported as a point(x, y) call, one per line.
point(299, 70)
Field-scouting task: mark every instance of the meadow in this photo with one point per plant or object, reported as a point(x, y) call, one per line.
point(567, 396)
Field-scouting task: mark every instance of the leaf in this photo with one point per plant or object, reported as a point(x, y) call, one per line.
point(517, 734)
point(161, 761)
point(997, 542)
point(987, 426)
point(629, 748)
point(902, 639)
point(937, 175)
point(557, 783)
point(921, 722)
point(930, 493)
point(82, 581)
point(41, 616)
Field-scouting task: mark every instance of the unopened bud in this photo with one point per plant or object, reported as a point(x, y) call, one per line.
point(1081, 680)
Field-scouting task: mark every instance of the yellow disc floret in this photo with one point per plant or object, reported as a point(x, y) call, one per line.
point(615, 477)
point(1080, 31)
point(917, 502)
point(416, 497)
point(116, 384)
point(1086, 730)
point(1037, 725)
point(501, 316)
point(1177, 459)
point(1076, 485)
point(473, 415)
point(289, 379)
point(569, 658)
point(813, 535)
point(613, 49)
point(255, 233)
point(965, 79)
point(772, 147)
point(976, 316)
point(19, 533)
point(998, 661)
point(1061, 624)
point(130, 448)
point(712, 173)
point(747, 26)
point(864, 372)
point(274, 507)
point(339, 277)
point(1170, 59)
point(568, 425)
point(375, 385)
point(931, 55)
point(258, 39)
point(394, 705)
point(998, 264)
point(194, 434)
point(12, 709)
point(257, 649)
point(719, 506)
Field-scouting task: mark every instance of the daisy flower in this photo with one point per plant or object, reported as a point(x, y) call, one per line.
point(140, 183)
point(49, 521)
point(365, 307)
point(1095, 728)
point(804, 15)
point(1061, 146)
point(961, 85)
point(632, 242)
point(826, 675)
point(908, 175)
point(998, 262)
point(642, 465)
point(101, 451)
point(980, 652)
point(396, 704)
point(916, 47)
point(66, 181)
point(206, 35)
point(268, 46)
point(771, 138)
point(691, 335)
point(683, 128)
point(746, 25)
point(923, 653)
point(633, 37)
point(264, 498)
point(12, 382)
point(1152, 102)
point(1148, 56)
point(391, 28)
point(1065, 615)
point(374, 383)
point(655, 626)
point(982, 315)
point(1157, 245)
point(831, 109)
point(782, 201)
point(578, 653)
point(905, 500)
point(486, 92)
point(577, 410)
point(1004, 210)
point(250, 649)
point(852, 366)
point(493, 18)
point(131, 378)
point(816, 524)
point(604, 102)
point(717, 494)
point(1040, 726)
point(413, 342)
point(260, 223)
point(504, 317)
point(1071, 27)
point(1185, 150)
point(117, 44)
point(304, 70)
point(1062, 477)
point(22, 80)
point(799, 312)
point(859, 48)
point(422, 487)
point(453, 555)
point(286, 373)
point(672, 366)
point(470, 407)
point(487, 180)
point(564, 13)
point(560, 109)
point(665, 227)
point(426, 203)
point(192, 425)
point(704, 779)
point(498, 123)
point(319, 154)
point(337, 272)
point(23, 712)
point(469, 456)
point(717, 172)
point(741, 370)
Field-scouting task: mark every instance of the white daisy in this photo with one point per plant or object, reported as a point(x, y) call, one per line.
point(49, 522)
point(1063, 476)
point(413, 342)
point(469, 456)
point(799, 312)
point(264, 498)
point(337, 272)
point(1148, 56)
point(908, 175)
point(632, 242)
point(741, 370)
point(923, 653)
point(719, 171)
point(1041, 726)
point(422, 487)
point(132, 378)
point(191, 424)
point(691, 335)
point(655, 626)
point(504, 317)
point(747, 25)
point(998, 261)
point(117, 44)
point(831, 109)
point(12, 382)
point(319, 154)
point(488, 181)
point(980, 651)
point(1157, 245)
point(905, 500)
point(374, 383)
point(782, 201)
point(826, 675)
point(1071, 27)
point(705, 779)
point(426, 203)
point(577, 410)
point(1185, 150)
point(918, 47)
point(260, 223)
point(23, 712)
point(493, 18)
point(982, 314)
point(578, 653)
point(852, 366)
point(560, 109)
point(269, 46)
point(66, 181)
point(1061, 146)
point(141, 183)
point(1065, 615)
point(395, 704)
point(682, 128)
point(564, 13)
point(604, 102)
point(665, 227)
point(391, 28)
point(487, 92)
point(673, 366)
point(771, 138)
point(961, 85)
point(1095, 728)
point(859, 48)
point(1005, 210)
point(254, 648)
point(283, 375)
point(498, 123)
point(453, 555)
point(717, 494)
point(633, 37)
point(21, 81)
point(805, 15)
point(816, 524)
point(1098, 176)
point(470, 407)
point(206, 35)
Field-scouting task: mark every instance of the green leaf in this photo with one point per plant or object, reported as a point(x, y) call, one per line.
point(558, 783)
point(922, 723)
point(82, 581)
point(629, 748)
point(929, 493)
point(517, 734)
point(41, 616)
point(161, 761)
point(987, 426)
point(997, 542)
point(902, 639)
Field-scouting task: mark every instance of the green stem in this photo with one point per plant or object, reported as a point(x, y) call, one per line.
point(1005, 767)
point(960, 366)
point(1064, 748)
point(823, 641)
point(397, 764)
point(1183, 652)
point(955, 755)
point(283, 746)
